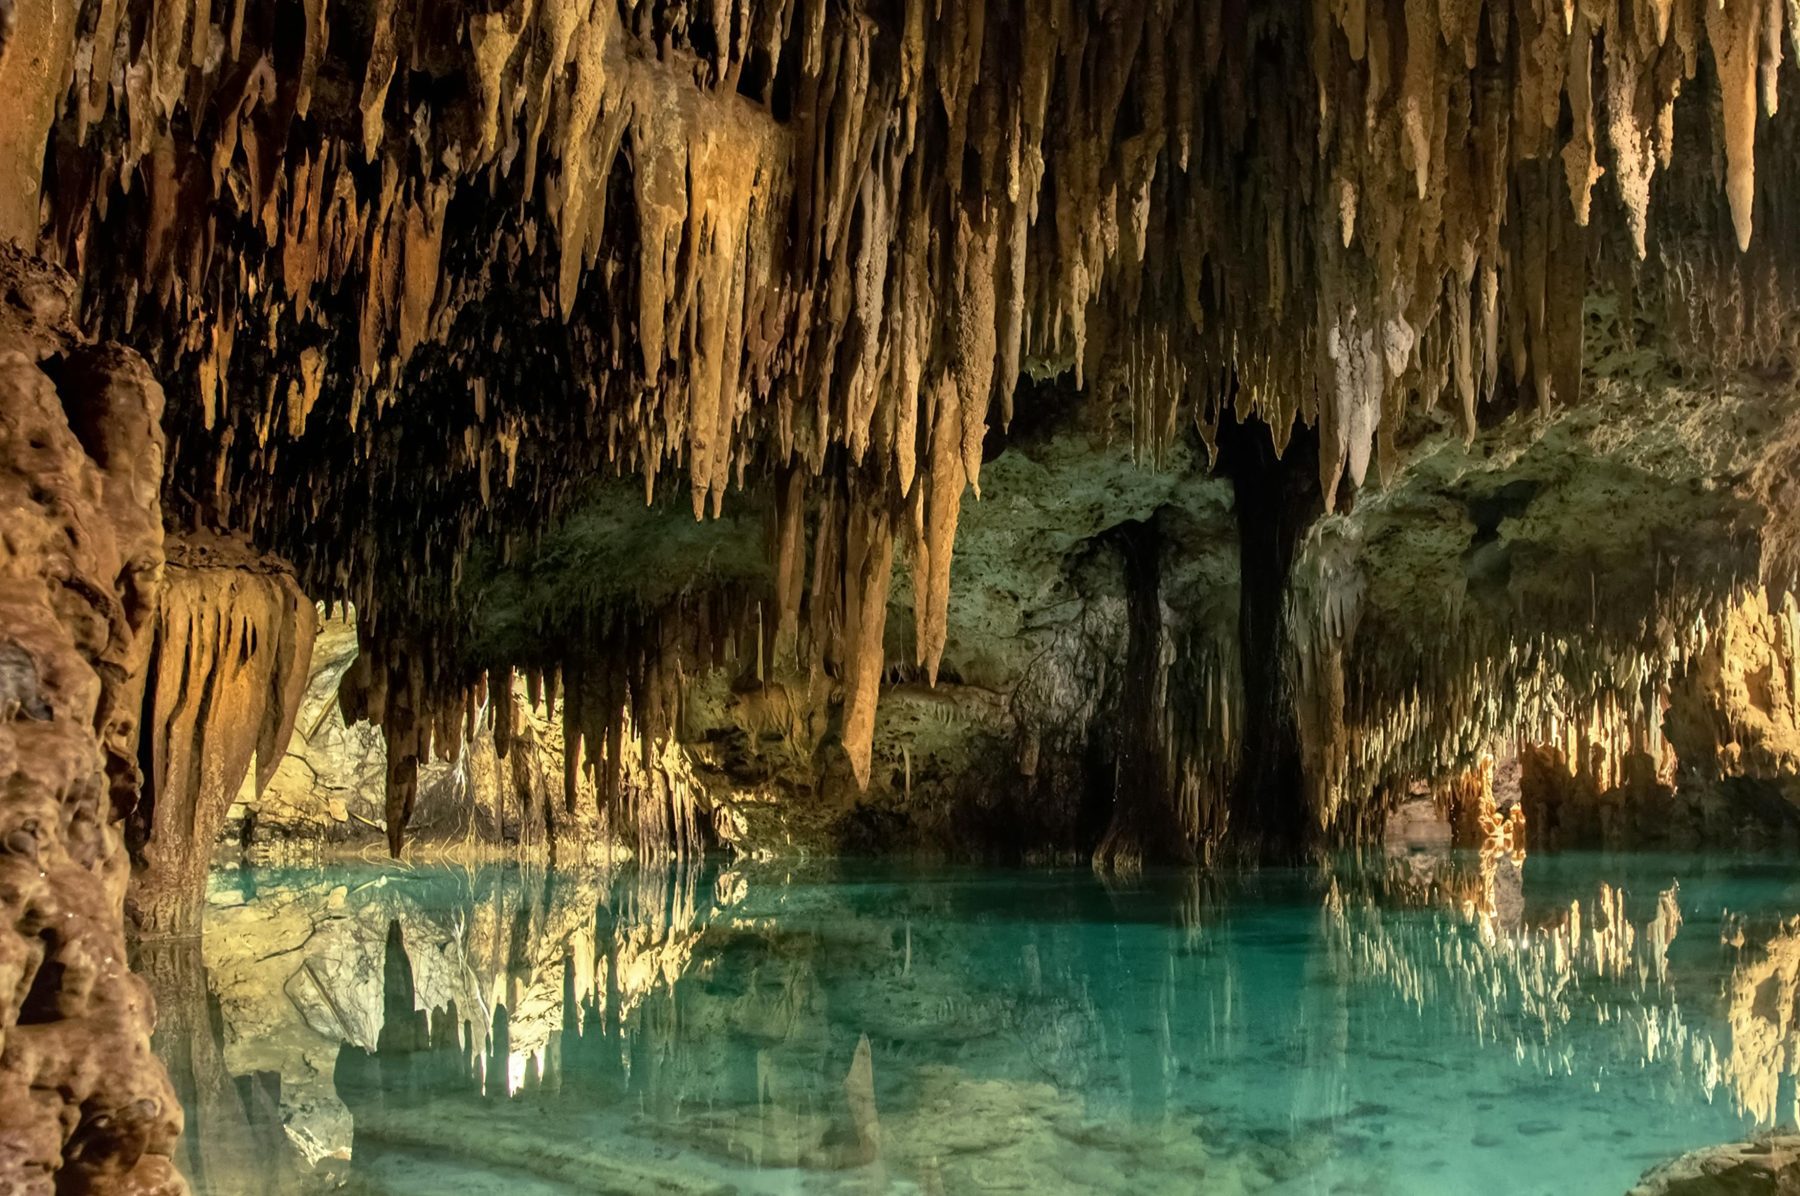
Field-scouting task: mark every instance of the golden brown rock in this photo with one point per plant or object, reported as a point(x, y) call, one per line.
point(234, 640)
point(83, 1104)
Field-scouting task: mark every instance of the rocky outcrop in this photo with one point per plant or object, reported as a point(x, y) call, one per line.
point(1546, 593)
point(1768, 1166)
point(84, 1106)
point(234, 640)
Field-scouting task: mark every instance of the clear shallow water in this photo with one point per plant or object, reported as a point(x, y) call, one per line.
point(1434, 1026)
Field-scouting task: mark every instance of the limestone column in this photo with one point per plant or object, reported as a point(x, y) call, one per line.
point(234, 639)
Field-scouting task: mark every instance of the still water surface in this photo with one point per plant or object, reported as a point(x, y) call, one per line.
point(1429, 1025)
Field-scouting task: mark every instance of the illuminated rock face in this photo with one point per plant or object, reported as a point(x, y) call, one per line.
point(84, 1105)
point(234, 639)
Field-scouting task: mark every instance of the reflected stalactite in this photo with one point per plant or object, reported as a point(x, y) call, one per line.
point(1765, 1022)
point(677, 1026)
point(234, 1139)
point(1523, 976)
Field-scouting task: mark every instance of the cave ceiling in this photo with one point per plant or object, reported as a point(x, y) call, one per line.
point(423, 277)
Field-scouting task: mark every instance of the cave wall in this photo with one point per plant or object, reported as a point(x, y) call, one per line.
point(84, 1106)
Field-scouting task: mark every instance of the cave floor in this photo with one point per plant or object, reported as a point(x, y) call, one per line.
point(1430, 1023)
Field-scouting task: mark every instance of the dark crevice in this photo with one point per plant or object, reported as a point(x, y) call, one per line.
point(1143, 827)
point(40, 1004)
point(1276, 500)
point(143, 815)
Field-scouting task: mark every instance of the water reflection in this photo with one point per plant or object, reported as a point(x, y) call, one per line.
point(1404, 1024)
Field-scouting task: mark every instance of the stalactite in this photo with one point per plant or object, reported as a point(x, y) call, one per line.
point(868, 561)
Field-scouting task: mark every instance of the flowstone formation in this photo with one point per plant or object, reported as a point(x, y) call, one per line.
point(84, 1107)
point(234, 639)
point(419, 272)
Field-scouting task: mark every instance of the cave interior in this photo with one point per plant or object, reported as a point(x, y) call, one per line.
point(1154, 438)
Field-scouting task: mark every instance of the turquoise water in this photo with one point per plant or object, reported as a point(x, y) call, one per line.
point(1427, 1025)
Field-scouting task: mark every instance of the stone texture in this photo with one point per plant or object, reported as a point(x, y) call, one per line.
point(37, 43)
point(84, 1106)
point(1764, 1167)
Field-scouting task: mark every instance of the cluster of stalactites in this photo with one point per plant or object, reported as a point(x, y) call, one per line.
point(617, 682)
point(1203, 734)
point(783, 230)
point(1403, 710)
point(622, 695)
point(234, 637)
point(397, 683)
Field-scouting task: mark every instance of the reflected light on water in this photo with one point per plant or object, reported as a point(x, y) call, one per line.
point(1398, 1024)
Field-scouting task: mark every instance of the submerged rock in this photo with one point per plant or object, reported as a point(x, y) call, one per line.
point(1768, 1166)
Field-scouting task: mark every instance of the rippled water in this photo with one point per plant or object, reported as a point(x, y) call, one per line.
point(1433, 1025)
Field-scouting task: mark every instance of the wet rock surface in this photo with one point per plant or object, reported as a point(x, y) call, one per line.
point(84, 1106)
point(1764, 1167)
